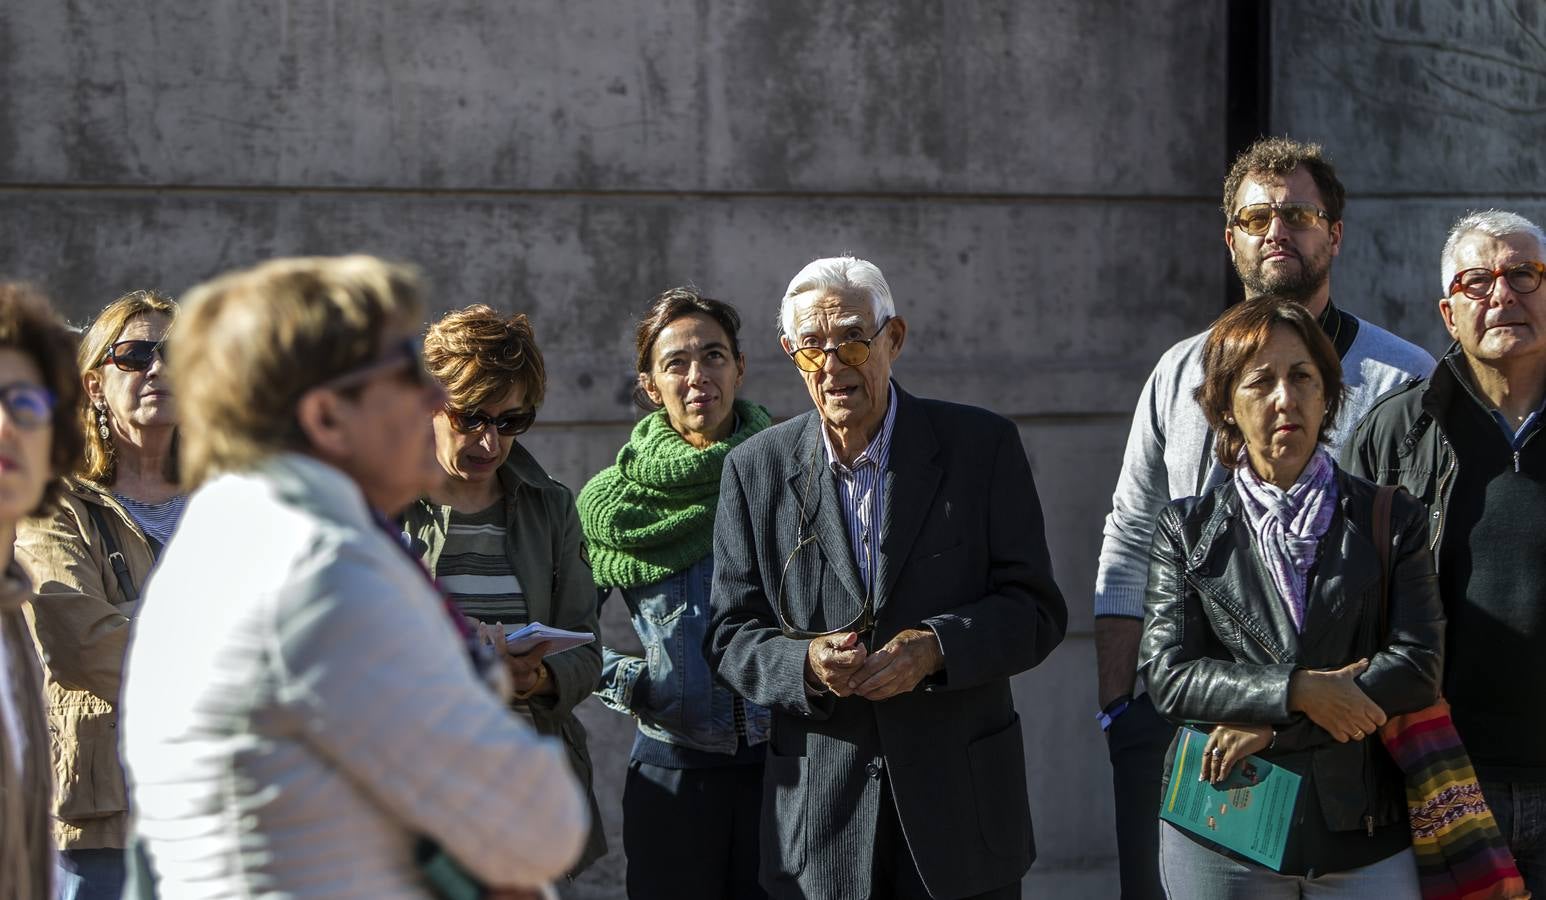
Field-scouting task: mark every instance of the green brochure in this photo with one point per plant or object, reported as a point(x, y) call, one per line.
point(1249, 813)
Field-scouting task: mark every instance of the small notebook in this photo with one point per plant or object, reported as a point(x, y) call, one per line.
point(523, 639)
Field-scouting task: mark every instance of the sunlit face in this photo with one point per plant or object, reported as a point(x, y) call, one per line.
point(1506, 325)
point(1283, 260)
point(134, 400)
point(476, 458)
point(847, 397)
point(1279, 404)
point(694, 374)
point(24, 464)
point(391, 452)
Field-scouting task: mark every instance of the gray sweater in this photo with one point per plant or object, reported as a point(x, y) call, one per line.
point(1169, 454)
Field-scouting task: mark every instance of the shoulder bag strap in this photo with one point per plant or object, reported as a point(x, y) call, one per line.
point(114, 555)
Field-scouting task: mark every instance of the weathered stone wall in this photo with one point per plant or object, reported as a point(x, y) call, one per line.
point(1429, 110)
point(1038, 181)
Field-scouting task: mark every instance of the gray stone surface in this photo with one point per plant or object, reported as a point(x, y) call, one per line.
point(1414, 97)
point(980, 96)
point(1048, 291)
point(1429, 110)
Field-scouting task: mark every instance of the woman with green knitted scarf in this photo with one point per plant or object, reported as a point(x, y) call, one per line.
point(693, 795)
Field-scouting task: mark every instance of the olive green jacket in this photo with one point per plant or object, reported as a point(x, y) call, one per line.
point(80, 621)
point(545, 547)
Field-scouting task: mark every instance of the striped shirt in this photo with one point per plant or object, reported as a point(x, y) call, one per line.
point(475, 573)
point(157, 520)
point(475, 570)
point(861, 489)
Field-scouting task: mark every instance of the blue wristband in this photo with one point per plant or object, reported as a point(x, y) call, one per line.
point(1113, 709)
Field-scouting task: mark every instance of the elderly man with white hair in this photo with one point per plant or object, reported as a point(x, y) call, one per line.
point(1465, 440)
point(880, 572)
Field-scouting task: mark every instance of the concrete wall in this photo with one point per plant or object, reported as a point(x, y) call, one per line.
point(1038, 182)
point(1429, 110)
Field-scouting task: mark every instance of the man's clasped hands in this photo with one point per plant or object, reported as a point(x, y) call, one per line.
point(840, 664)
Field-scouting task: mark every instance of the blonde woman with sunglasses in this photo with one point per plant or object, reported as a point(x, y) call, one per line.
point(500, 535)
point(88, 555)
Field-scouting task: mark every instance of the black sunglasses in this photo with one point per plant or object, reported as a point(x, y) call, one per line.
point(134, 356)
point(507, 424)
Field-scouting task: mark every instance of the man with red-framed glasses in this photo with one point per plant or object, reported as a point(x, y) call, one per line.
point(1283, 226)
point(1464, 440)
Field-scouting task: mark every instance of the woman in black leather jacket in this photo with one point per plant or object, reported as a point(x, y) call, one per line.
point(1263, 613)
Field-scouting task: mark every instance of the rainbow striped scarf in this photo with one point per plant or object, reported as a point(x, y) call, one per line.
point(1461, 855)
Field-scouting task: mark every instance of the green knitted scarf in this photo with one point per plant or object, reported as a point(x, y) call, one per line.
point(652, 514)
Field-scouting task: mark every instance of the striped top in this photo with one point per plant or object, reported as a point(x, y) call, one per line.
point(862, 494)
point(475, 570)
point(157, 520)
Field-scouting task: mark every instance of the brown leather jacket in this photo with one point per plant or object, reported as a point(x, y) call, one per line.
point(80, 620)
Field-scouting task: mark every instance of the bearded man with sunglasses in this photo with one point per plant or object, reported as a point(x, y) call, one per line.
point(880, 573)
point(1465, 441)
point(1283, 227)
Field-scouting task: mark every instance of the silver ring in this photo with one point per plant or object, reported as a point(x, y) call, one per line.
point(1218, 752)
point(1358, 735)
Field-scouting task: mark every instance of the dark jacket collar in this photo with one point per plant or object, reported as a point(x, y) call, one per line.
point(1448, 376)
point(521, 468)
point(1341, 327)
point(1237, 580)
point(1225, 502)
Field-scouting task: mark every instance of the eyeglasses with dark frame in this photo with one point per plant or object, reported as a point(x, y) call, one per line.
point(850, 353)
point(30, 406)
point(407, 353)
point(861, 623)
point(1254, 219)
point(134, 356)
point(473, 421)
point(1524, 278)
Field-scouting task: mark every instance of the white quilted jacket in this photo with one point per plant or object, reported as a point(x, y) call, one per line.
point(298, 710)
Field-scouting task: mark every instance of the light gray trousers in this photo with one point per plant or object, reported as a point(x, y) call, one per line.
point(1190, 871)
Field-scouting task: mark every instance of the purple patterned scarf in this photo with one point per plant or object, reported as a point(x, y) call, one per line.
point(1288, 525)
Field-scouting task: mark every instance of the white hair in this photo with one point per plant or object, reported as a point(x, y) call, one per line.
point(837, 274)
point(1495, 223)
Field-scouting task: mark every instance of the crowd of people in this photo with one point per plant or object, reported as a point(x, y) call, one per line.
point(265, 549)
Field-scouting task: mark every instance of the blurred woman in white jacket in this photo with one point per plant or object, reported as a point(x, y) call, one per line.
point(301, 710)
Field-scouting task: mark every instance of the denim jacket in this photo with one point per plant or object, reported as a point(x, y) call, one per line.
point(671, 690)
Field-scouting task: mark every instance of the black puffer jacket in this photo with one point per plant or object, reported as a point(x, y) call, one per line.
point(1219, 646)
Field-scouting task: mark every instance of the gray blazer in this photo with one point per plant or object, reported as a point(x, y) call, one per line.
point(963, 552)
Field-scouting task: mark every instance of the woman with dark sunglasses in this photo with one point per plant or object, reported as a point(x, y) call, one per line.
point(38, 439)
point(501, 536)
point(89, 555)
point(693, 795)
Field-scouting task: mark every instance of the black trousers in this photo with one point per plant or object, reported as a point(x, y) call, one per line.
point(692, 832)
point(1137, 742)
point(894, 875)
